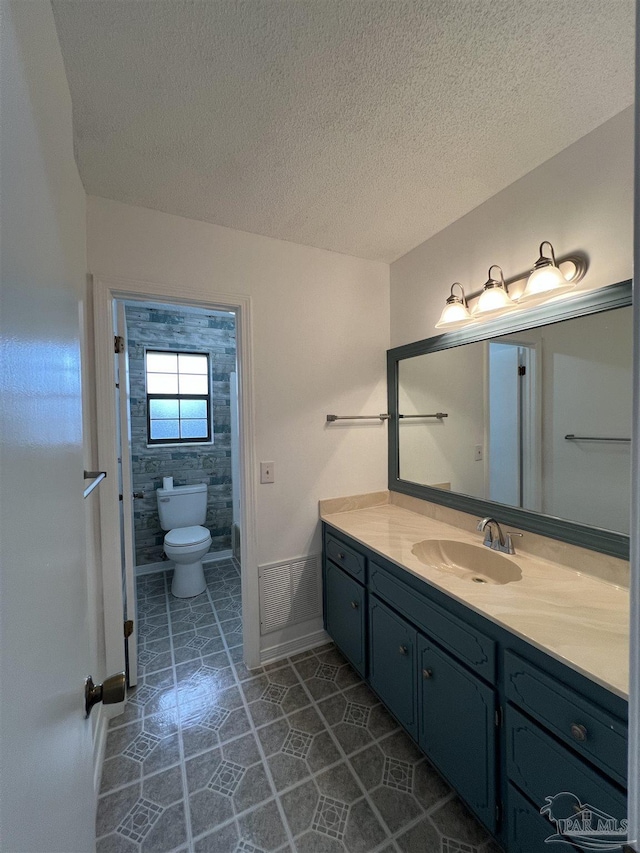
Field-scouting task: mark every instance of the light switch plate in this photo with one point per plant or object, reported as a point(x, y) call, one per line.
point(478, 453)
point(266, 472)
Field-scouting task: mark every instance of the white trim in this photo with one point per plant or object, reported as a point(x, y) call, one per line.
point(99, 746)
point(294, 647)
point(106, 290)
point(162, 565)
point(634, 657)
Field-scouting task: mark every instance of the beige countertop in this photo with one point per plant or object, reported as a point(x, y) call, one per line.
point(578, 619)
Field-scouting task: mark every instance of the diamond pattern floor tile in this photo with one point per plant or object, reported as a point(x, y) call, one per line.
point(298, 756)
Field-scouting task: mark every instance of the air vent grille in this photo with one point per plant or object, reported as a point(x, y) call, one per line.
point(290, 592)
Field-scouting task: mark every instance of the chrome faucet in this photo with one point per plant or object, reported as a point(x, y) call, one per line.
point(494, 538)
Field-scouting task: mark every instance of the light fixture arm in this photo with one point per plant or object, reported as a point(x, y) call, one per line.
point(494, 282)
point(453, 297)
point(543, 260)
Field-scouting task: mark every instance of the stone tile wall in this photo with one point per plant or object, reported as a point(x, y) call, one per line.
point(171, 328)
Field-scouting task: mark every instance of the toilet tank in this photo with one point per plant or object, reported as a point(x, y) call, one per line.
point(182, 506)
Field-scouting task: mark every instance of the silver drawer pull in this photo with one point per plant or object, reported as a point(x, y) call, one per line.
point(578, 731)
point(427, 673)
point(403, 650)
point(354, 605)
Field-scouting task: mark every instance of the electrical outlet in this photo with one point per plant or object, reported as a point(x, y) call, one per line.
point(478, 453)
point(266, 472)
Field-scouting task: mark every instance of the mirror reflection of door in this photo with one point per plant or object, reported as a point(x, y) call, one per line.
point(514, 437)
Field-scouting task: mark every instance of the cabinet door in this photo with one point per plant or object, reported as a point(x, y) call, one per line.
point(392, 663)
point(345, 615)
point(457, 728)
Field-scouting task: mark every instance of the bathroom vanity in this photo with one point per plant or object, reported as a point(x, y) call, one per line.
point(512, 678)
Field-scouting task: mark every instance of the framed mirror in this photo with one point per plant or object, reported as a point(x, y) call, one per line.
point(526, 419)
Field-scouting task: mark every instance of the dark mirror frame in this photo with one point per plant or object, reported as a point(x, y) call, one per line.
point(592, 302)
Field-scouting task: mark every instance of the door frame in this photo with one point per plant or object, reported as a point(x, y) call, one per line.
point(107, 289)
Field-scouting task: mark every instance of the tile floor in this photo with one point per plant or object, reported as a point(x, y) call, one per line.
point(296, 757)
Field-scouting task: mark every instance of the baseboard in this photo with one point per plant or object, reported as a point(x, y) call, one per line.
point(163, 565)
point(99, 746)
point(271, 654)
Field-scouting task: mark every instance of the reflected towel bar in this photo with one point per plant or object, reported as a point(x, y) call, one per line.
point(332, 418)
point(438, 415)
point(97, 477)
point(572, 437)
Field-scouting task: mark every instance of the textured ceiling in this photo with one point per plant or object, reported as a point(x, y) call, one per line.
point(362, 126)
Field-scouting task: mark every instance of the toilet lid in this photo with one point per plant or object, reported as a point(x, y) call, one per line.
point(187, 536)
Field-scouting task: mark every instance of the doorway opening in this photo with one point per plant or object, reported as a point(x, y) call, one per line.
point(514, 432)
point(110, 298)
point(176, 370)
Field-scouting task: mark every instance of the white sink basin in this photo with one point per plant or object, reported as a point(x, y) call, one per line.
point(475, 563)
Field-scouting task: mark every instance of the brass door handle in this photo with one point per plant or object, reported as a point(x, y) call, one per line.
point(111, 691)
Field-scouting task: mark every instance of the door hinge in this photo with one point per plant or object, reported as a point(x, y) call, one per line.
point(522, 370)
point(118, 344)
point(498, 716)
point(498, 812)
point(128, 628)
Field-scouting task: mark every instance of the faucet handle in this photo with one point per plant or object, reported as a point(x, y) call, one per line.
point(508, 541)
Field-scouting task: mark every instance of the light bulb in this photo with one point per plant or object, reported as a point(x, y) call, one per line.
point(546, 280)
point(455, 311)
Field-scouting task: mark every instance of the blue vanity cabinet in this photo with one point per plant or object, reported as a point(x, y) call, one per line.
point(393, 663)
point(345, 615)
point(457, 728)
point(505, 723)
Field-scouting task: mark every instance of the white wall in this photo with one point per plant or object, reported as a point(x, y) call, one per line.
point(320, 332)
point(49, 607)
point(586, 367)
point(441, 451)
point(581, 199)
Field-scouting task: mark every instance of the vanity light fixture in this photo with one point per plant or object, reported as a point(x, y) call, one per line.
point(546, 279)
point(494, 298)
point(456, 310)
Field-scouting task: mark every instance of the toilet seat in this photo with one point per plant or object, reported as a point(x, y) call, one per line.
point(186, 536)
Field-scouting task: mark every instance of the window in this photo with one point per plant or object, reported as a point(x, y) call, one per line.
point(178, 397)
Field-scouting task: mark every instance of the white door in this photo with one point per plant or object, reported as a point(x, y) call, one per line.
point(126, 503)
point(46, 747)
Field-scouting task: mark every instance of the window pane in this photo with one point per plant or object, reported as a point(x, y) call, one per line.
point(192, 409)
point(162, 383)
point(162, 362)
point(163, 409)
point(193, 384)
point(192, 363)
point(193, 429)
point(165, 429)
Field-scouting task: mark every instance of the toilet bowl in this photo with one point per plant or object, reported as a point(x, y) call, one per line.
point(181, 511)
point(186, 546)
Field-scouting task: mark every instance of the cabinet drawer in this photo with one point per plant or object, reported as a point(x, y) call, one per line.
point(543, 768)
point(528, 830)
point(345, 557)
point(592, 732)
point(467, 644)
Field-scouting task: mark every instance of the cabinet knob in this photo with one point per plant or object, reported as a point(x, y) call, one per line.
point(427, 673)
point(403, 650)
point(340, 555)
point(578, 731)
point(354, 605)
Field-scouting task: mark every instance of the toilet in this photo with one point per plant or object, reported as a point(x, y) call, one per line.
point(182, 511)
